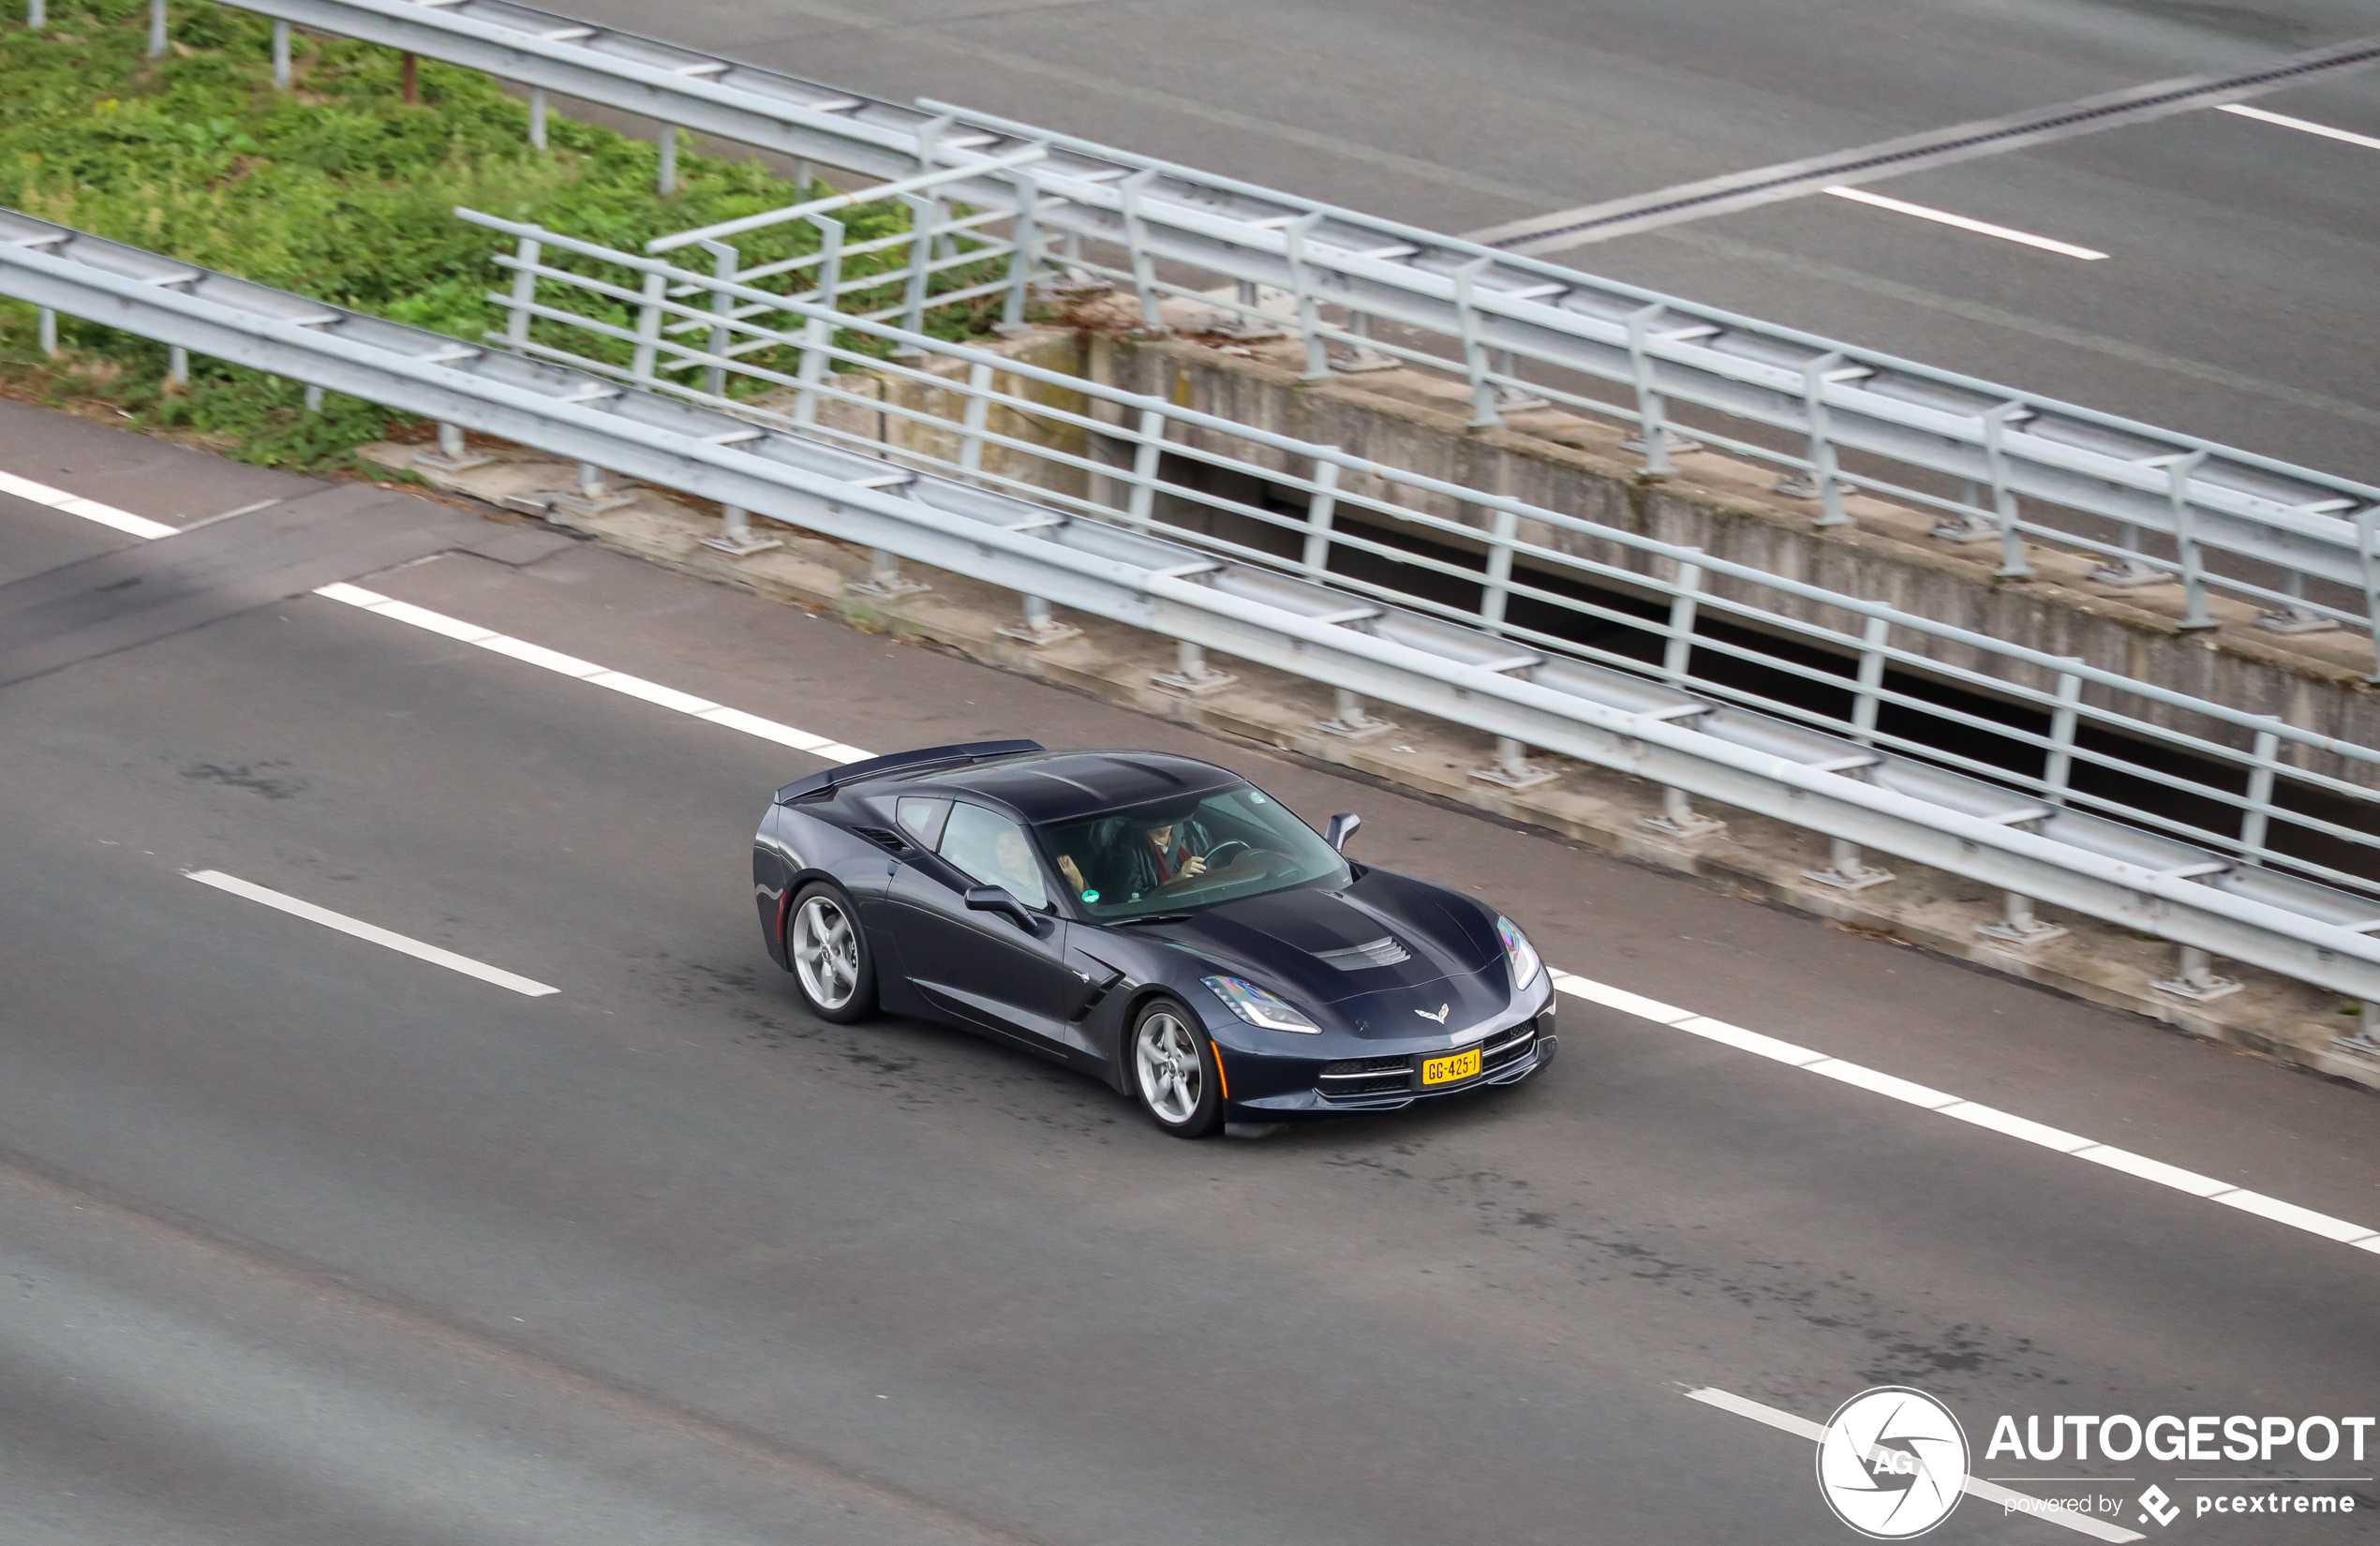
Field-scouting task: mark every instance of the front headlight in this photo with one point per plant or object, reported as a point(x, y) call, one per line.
point(1258, 1008)
point(1520, 952)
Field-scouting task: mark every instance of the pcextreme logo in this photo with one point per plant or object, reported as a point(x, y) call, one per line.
point(1891, 1462)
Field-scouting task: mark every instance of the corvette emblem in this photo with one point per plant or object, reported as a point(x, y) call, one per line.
point(1439, 1016)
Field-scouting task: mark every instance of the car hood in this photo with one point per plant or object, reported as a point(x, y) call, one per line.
point(1309, 944)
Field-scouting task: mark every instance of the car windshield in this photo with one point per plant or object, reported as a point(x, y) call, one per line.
point(1183, 855)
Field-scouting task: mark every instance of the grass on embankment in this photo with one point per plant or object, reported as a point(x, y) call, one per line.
point(337, 188)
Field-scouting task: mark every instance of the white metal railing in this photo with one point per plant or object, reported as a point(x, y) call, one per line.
point(1993, 464)
point(1676, 733)
point(2225, 782)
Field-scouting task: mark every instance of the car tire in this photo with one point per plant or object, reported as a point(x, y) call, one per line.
point(827, 952)
point(1170, 1066)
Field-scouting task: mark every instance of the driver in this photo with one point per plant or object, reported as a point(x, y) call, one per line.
point(1147, 856)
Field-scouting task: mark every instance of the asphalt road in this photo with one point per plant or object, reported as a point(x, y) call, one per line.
point(2237, 301)
point(303, 1240)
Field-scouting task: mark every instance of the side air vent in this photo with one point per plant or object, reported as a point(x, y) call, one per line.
point(1384, 951)
point(884, 838)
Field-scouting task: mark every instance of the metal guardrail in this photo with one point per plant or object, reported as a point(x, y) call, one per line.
point(1994, 464)
point(1694, 743)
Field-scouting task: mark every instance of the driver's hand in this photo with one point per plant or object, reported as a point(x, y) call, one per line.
point(1193, 865)
point(1073, 876)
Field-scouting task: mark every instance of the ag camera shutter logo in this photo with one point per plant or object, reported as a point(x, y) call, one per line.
point(1891, 1462)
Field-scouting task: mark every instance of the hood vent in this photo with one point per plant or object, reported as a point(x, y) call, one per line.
point(890, 842)
point(1384, 951)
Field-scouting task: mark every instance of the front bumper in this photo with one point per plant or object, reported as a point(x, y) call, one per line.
point(1270, 1082)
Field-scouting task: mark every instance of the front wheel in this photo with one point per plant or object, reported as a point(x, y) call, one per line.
point(1173, 1071)
point(829, 955)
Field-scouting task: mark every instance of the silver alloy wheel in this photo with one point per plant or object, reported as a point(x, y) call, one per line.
point(826, 953)
point(1172, 1075)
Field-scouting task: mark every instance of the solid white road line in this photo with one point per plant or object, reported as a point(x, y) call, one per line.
point(90, 509)
point(1984, 228)
point(372, 931)
point(1654, 1010)
point(1990, 1492)
point(2300, 125)
point(1863, 1078)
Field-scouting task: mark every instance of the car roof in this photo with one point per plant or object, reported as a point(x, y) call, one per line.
point(1056, 786)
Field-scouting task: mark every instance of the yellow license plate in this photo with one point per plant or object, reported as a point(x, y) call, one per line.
point(1446, 1070)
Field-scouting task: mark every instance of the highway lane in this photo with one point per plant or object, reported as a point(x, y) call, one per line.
point(375, 1251)
point(2233, 302)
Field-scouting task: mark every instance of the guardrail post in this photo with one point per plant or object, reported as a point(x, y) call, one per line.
point(1495, 592)
point(2196, 980)
point(1348, 720)
point(724, 259)
point(1144, 264)
point(924, 212)
point(1317, 353)
point(1512, 768)
point(177, 366)
point(2017, 926)
point(1191, 674)
point(2186, 519)
point(156, 29)
point(2128, 571)
point(1360, 356)
point(1653, 436)
point(593, 496)
point(314, 399)
point(2256, 822)
point(36, 14)
point(1677, 650)
point(665, 178)
point(46, 322)
point(1873, 638)
point(1679, 819)
point(2368, 557)
point(735, 536)
point(2058, 768)
point(537, 117)
point(1475, 360)
point(1819, 483)
point(525, 258)
point(453, 452)
point(1846, 870)
point(2294, 616)
point(1024, 250)
point(2003, 499)
point(1322, 509)
point(1147, 450)
point(649, 329)
point(884, 579)
point(1040, 628)
point(280, 56)
point(818, 331)
point(972, 420)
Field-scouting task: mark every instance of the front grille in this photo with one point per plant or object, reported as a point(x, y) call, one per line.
point(1359, 1076)
point(1507, 1047)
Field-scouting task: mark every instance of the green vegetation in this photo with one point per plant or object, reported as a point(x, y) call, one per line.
point(336, 188)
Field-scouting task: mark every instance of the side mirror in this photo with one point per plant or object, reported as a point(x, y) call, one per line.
point(1342, 828)
point(997, 898)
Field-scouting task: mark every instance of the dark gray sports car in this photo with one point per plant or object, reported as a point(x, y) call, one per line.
point(1159, 922)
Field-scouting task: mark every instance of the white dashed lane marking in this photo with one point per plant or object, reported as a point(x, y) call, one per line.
point(1981, 228)
point(296, 907)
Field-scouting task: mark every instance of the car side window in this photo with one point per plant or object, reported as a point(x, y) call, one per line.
point(994, 851)
point(922, 819)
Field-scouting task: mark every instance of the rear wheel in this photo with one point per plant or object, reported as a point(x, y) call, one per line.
point(829, 955)
point(1173, 1071)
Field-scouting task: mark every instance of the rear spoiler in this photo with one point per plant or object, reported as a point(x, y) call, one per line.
point(822, 784)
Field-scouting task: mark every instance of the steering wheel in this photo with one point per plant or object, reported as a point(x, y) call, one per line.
point(1215, 855)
